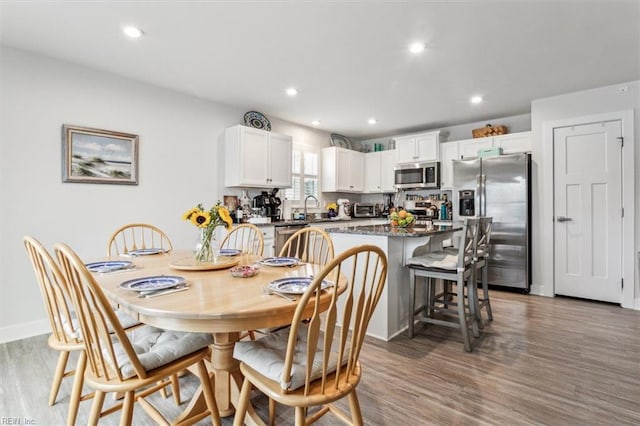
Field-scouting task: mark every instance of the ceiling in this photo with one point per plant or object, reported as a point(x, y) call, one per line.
point(348, 60)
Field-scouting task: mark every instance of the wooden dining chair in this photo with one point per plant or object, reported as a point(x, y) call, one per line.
point(312, 245)
point(315, 362)
point(246, 237)
point(137, 236)
point(65, 337)
point(136, 364)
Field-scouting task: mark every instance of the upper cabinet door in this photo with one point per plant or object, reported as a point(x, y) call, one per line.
point(387, 174)
point(372, 172)
point(427, 148)
point(342, 170)
point(421, 147)
point(448, 153)
point(469, 148)
point(256, 158)
point(280, 161)
point(514, 142)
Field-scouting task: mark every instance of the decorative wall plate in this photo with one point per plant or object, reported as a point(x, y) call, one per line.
point(257, 120)
point(340, 141)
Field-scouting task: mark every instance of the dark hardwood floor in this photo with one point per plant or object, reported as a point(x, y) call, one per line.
point(542, 361)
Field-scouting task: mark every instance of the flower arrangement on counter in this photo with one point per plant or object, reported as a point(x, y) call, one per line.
point(208, 221)
point(401, 218)
point(332, 207)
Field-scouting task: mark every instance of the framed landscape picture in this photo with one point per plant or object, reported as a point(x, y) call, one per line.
point(99, 156)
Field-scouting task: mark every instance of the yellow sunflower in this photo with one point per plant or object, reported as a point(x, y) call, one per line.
point(188, 213)
point(201, 218)
point(226, 217)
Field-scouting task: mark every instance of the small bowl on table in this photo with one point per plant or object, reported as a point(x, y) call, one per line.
point(244, 271)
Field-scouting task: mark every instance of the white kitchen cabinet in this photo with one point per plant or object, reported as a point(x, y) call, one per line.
point(469, 148)
point(269, 236)
point(449, 151)
point(510, 144)
point(256, 158)
point(420, 147)
point(514, 142)
point(378, 171)
point(342, 170)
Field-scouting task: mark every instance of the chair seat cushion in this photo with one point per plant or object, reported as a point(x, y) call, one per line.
point(73, 330)
point(436, 259)
point(267, 354)
point(156, 347)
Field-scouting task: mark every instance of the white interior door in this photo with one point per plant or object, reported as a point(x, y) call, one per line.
point(588, 211)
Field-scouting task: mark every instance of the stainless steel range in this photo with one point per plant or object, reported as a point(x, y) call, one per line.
point(423, 211)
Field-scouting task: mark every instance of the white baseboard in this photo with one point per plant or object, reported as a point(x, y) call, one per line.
point(24, 330)
point(537, 289)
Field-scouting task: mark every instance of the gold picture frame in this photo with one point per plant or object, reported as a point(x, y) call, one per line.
point(99, 156)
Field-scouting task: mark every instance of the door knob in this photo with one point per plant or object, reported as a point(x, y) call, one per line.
point(563, 219)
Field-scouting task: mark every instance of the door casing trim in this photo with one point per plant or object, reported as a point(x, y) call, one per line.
point(628, 199)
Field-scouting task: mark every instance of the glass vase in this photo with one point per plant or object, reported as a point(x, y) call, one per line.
point(332, 213)
point(207, 247)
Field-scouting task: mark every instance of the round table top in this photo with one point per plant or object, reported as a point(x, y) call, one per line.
point(215, 302)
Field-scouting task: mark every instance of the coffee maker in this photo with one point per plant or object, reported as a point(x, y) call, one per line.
point(268, 204)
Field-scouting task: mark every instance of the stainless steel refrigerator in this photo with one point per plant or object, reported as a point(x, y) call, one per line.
point(499, 187)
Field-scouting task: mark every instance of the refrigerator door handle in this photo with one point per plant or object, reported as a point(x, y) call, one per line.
point(483, 194)
point(478, 197)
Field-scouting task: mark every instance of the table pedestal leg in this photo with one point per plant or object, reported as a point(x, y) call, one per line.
point(228, 381)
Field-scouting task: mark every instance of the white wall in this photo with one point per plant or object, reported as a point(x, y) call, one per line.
point(180, 144)
point(585, 103)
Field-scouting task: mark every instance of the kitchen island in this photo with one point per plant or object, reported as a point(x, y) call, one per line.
point(399, 244)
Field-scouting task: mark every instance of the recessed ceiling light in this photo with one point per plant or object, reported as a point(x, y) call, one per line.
point(132, 32)
point(476, 99)
point(416, 47)
point(316, 122)
point(291, 91)
point(372, 121)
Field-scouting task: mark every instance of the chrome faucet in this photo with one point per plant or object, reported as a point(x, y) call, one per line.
point(305, 205)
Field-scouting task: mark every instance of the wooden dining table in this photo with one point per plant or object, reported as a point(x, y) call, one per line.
point(215, 302)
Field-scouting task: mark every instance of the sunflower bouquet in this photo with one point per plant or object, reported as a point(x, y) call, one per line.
point(207, 221)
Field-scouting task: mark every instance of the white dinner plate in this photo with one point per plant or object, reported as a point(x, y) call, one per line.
point(295, 285)
point(153, 283)
point(230, 252)
point(109, 265)
point(280, 261)
point(146, 252)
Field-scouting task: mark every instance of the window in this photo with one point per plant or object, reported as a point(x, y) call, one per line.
point(304, 170)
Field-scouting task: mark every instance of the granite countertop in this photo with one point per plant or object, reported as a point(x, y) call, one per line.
point(389, 231)
point(314, 220)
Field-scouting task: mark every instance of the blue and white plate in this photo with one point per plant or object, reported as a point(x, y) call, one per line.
point(153, 283)
point(280, 261)
point(146, 252)
point(230, 252)
point(257, 120)
point(109, 265)
point(295, 285)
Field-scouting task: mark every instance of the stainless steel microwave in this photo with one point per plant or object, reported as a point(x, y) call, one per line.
point(417, 176)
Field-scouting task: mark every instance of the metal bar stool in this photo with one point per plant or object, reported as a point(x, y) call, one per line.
point(446, 266)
